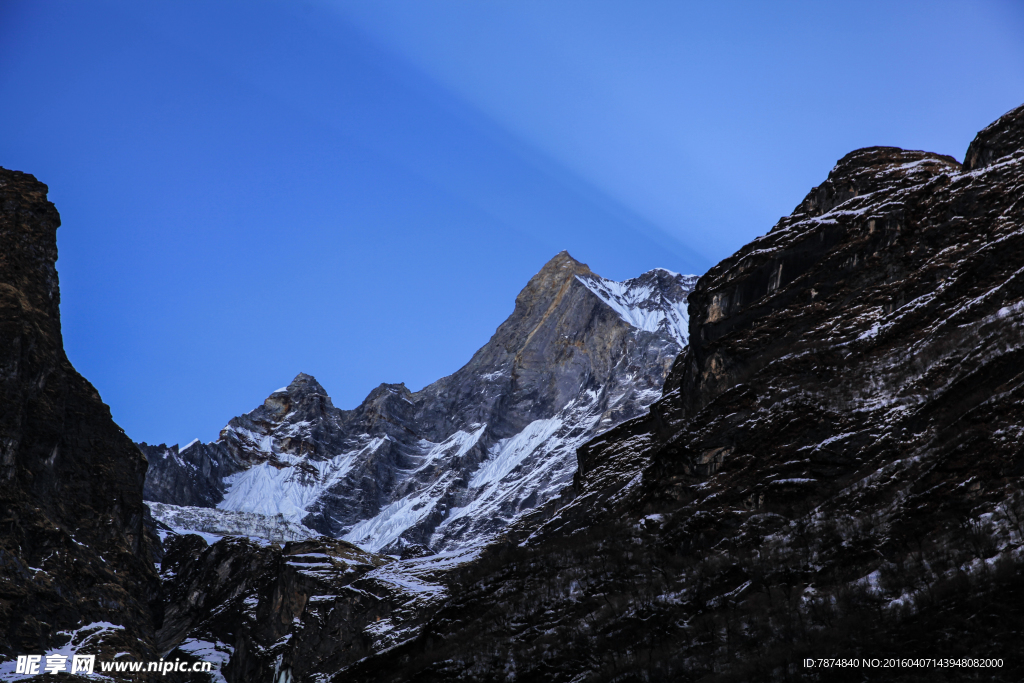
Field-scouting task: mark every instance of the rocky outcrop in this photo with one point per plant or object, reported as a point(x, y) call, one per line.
point(194, 482)
point(834, 470)
point(76, 563)
point(453, 464)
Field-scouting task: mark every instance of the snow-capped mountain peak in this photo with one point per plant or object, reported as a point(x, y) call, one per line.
point(457, 461)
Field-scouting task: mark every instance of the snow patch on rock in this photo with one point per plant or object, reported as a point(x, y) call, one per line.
point(641, 303)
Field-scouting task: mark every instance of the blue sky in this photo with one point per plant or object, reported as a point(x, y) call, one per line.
point(358, 190)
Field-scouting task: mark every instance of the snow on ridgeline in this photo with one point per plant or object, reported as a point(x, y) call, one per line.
point(537, 462)
point(643, 302)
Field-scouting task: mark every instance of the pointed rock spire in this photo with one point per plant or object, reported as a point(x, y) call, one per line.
point(303, 393)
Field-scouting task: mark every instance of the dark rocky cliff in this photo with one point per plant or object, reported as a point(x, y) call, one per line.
point(73, 547)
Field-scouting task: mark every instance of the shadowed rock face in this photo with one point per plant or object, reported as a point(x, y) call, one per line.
point(73, 548)
point(241, 602)
point(454, 463)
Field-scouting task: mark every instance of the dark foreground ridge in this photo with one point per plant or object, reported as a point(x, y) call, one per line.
point(76, 564)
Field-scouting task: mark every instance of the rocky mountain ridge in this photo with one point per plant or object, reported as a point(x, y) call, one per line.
point(454, 463)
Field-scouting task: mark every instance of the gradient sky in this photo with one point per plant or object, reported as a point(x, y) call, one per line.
point(358, 190)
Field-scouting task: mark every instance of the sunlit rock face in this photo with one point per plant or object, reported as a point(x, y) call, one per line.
point(76, 562)
point(453, 464)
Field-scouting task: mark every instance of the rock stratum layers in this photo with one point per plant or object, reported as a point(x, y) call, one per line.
point(453, 464)
point(76, 563)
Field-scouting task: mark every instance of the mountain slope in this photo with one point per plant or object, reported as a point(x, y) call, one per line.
point(454, 463)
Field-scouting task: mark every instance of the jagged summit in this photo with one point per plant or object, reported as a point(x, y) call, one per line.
point(561, 267)
point(655, 301)
point(542, 295)
point(456, 461)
